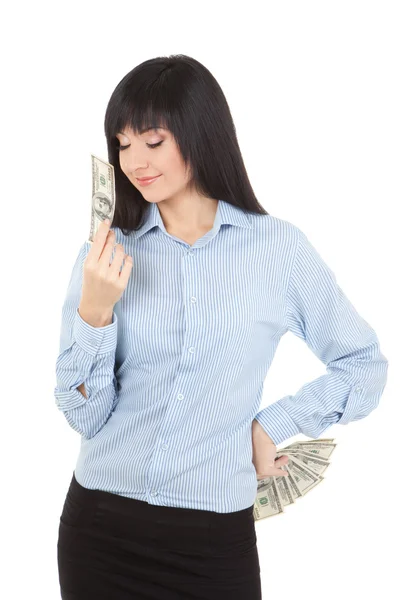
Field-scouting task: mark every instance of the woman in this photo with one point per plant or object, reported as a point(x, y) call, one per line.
point(165, 346)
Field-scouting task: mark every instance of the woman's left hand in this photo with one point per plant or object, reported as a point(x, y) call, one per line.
point(264, 454)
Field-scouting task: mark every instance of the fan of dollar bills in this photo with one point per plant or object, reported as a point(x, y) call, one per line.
point(307, 461)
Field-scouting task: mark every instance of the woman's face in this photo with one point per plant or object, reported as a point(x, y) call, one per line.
point(138, 159)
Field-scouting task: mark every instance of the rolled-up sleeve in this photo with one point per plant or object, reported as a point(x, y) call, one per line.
point(318, 312)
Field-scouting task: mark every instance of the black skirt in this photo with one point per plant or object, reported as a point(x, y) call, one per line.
point(119, 548)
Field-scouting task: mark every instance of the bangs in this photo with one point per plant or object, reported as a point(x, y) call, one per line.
point(139, 112)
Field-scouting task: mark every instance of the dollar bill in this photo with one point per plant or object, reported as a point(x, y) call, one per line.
point(308, 460)
point(103, 194)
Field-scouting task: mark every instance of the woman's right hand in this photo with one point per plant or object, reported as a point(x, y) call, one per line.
point(264, 454)
point(103, 284)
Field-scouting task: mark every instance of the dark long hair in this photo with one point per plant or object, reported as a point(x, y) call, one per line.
point(178, 93)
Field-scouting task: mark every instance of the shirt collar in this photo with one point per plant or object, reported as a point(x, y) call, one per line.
point(227, 214)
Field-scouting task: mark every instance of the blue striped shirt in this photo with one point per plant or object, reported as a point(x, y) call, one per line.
point(175, 381)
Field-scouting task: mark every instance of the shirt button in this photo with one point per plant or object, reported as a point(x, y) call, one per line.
point(180, 396)
point(154, 493)
point(192, 349)
point(358, 390)
point(193, 299)
point(93, 342)
point(164, 446)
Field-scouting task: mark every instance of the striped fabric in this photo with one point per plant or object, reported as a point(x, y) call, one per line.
point(175, 381)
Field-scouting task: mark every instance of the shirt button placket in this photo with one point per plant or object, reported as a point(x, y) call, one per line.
point(192, 349)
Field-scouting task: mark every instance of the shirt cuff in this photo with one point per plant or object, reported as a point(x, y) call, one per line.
point(353, 404)
point(70, 399)
point(95, 340)
point(278, 424)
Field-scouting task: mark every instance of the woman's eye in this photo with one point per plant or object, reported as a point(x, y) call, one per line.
point(154, 145)
point(149, 145)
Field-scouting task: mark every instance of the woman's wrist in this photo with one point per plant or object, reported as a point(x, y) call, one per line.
point(259, 430)
point(95, 317)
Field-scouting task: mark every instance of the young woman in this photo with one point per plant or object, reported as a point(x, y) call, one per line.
point(165, 346)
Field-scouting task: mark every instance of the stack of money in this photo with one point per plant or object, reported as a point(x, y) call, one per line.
point(307, 461)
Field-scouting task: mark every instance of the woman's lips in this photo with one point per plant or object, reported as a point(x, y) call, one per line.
point(147, 180)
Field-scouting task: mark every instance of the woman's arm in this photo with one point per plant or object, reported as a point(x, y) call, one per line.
point(86, 360)
point(318, 312)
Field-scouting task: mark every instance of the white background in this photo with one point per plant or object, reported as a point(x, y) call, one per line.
point(313, 88)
